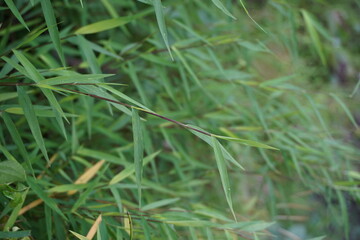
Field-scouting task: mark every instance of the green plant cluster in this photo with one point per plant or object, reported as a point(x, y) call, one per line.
point(179, 119)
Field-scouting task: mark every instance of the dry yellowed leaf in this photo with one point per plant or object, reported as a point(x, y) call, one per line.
point(87, 175)
point(94, 228)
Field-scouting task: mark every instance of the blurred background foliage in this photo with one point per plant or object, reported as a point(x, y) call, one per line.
point(273, 73)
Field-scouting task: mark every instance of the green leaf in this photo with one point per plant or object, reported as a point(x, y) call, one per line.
point(11, 171)
point(187, 67)
point(160, 203)
point(246, 142)
point(110, 23)
point(76, 78)
point(310, 25)
point(277, 81)
point(7, 96)
point(346, 110)
point(344, 214)
point(15, 135)
point(131, 169)
point(34, 185)
point(318, 114)
point(67, 187)
point(249, 226)
point(247, 12)
point(161, 23)
point(221, 6)
point(356, 88)
point(139, 86)
point(221, 165)
point(52, 27)
point(31, 36)
point(208, 140)
point(17, 234)
point(33, 74)
point(16, 13)
point(103, 25)
point(16, 203)
point(125, 97)
point(32, 120)
point(48, 221)
point(138, 149)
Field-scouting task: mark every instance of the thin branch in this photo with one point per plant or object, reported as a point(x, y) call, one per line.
point(35, 84)
point(141, 109)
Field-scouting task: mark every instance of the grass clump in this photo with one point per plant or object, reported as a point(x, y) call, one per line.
point(106, 107)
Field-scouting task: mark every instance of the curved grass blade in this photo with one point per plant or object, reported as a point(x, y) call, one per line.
point(161, 23)
point(76, 78)
point(158, 204)
point(32, 120)
point(221, 6)
point(246, 142)
point(318, 115)
point(14, 133)
point(138, 149)
point(33, 74)
point(103, 25)
point(247, 13)
point(208, 140)
point(52, 27)
point(110, 23)
point(187, 67)
point(123, 96)
point(346, 110)
point(131, 169)
point(11, 171)
point(220, 162)
point(43, 196)
point(16, 13)
point(309, 22)
point(15, 235)
point(357, 86)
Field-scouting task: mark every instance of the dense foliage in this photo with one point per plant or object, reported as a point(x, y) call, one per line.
point(179, 119)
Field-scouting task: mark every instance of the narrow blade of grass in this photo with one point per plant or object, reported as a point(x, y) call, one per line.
point(318, 115)
point(33, 74)
point(161, 23)
point(15, 135)
point(110, 23)
point(160, 203)
point(33, 183)
point(76, 78)
point(187, 67)
point(15, 235)
point(32, 120)
point(346, 110)
point(356, 88)
point(246, 142)
point(138, 149)
point(247, 13)
point(131, 169)
point(208, 140)
point(221, 165)
point(52, 27)
point(11, 171)
point(221, 6)
point(309, 22)
point(16, 13)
